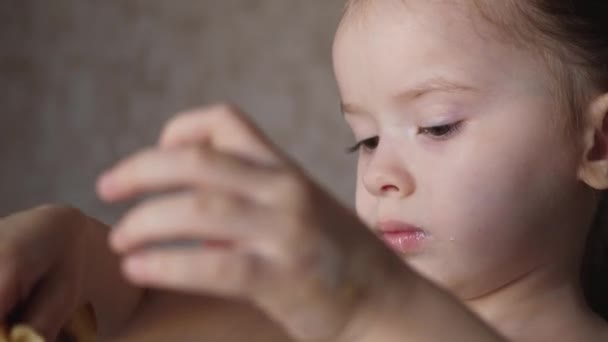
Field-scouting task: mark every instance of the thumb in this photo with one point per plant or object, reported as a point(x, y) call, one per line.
point(9, 292)
point(50, 308)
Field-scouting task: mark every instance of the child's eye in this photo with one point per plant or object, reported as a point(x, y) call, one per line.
point(367, 144)
point(442, 131)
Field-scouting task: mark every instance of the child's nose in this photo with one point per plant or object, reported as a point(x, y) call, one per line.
point(386, 176)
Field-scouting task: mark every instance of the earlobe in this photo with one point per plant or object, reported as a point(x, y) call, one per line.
point(594, 166)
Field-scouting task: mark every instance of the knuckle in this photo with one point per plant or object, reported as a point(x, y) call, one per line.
point(220, 204)
point(197, 156)
point(230, 116)
point(200, 160)
point(74, 217)
point(200, 201)
point(226, 109)
point(222, 109)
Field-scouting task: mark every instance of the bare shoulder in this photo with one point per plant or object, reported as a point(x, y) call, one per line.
point(171, 317)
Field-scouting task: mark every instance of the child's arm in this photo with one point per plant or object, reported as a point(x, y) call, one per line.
point(410, 308)
point(179, 317)
point(405, 309)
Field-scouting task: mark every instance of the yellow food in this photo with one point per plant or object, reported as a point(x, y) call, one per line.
point(81, 328)
point(23, 333)
point(19, 333)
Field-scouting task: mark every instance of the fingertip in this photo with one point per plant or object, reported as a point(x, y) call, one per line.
point(106, 186)
point(117, 241)
point(135, 269)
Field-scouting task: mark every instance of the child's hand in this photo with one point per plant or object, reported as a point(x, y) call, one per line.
point(42, 267)
point(267, 232)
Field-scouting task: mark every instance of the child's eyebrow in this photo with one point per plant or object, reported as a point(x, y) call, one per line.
point(436, 84)
point(432, 85)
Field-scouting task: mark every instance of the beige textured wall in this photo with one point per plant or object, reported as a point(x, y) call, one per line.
point(82, 82)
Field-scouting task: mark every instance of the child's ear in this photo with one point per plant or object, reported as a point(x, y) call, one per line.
point(594, 167)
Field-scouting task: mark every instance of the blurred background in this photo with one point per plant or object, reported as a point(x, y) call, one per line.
point(83, 83)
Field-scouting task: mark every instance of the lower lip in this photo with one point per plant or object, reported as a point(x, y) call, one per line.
point(404, 241)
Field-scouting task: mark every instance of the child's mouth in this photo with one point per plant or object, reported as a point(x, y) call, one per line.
point(402, 237)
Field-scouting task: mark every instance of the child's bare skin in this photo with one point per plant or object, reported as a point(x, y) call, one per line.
point(199, 318)
point(455, 145)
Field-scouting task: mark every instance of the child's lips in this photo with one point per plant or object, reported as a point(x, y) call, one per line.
point(402, 237)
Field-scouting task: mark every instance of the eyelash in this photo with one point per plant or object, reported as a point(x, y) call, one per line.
point(440, 132)
point(368, 144)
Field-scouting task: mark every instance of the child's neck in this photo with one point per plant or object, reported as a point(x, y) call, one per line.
point(545, 305)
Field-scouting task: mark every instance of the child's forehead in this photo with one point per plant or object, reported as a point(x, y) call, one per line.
point(398, 42)
point(449, 17)
point(452, 24)
point(507, 21)
point(371, 7)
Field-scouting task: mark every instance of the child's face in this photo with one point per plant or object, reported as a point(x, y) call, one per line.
point(494, 185)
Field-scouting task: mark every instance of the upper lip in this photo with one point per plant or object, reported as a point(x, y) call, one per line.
point(396, 226)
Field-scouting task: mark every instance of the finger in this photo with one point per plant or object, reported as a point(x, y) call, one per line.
point(189, 215)
point(9, 292)
point(203, 270)
point(158, 170)
point(50, 307)
point(20, 270)
point(224, 127)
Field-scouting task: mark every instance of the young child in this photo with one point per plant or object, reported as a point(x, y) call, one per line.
point(483, 154)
